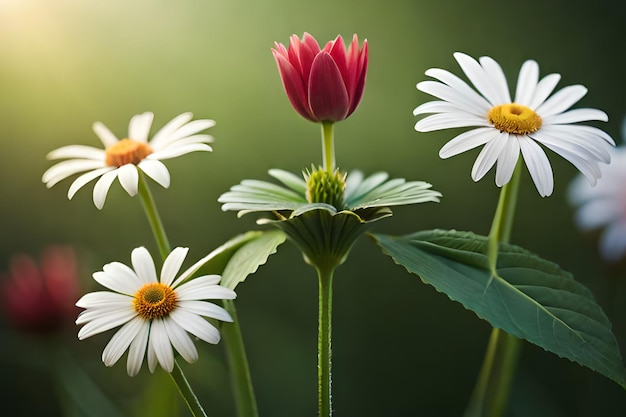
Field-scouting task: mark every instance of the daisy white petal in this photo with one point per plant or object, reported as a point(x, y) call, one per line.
point(121, 158)
point(172, 265)
point(156, 170)
point(152, 358)
point(597, 213)
point(137, 349)
point(435, 107)
point(119, 278)
point(479, 77)
point(538, 166)
point(507, 128)
point(104, 134)
point(603, 206)
point(77, 151)
point(139, 126)
point(562, 100)
point(192, 270)
point(575, 154)
point(527, 82)
point(66, 169)
point(121, 340)
point(466, 141)
point(181, 341)
point(489, 155)
point(584, 138)
point(94, 313)
point(196, 325)
point(497, 77)
point(206, 309)
point(544, 88)
point(612, 242)
point(194, 127)
point(160, 342)
point(448, 120)
point(143, 264)
point(507, 161)
point(171, 127)
point(577, 115)
point(101, 299)
point(203, 288)
point(101, 189)
point(459, 85)
point(178, 150)
point(129, 178)
point(447, 93)
point(84, 179)
point(106, 322)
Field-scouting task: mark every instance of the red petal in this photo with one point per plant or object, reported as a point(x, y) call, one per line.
point(338, 52)
point(328, 98)
point(294, 85)
point(302, 53)
point(360, 73)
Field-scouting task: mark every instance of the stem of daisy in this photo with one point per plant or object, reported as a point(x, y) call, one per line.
point(187, 392)
point(493, 386)
point(153, 216)
point(328, 146)
point(164, 248)
point(241, 381)
point(324, 364)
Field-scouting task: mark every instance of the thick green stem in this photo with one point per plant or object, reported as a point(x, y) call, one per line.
point(241, 380)
point(153, 217)
point(324, 354)
point(328, 146)
point(164, 248)
point(493, 386)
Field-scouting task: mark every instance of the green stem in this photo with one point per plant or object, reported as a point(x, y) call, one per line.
point(493, 386)
point(187, 392)
point(328, 146)
point(241, 380)
point(324, 364)
point(153, 217)
point(164, 248)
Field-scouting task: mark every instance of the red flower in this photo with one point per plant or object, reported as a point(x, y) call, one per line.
point(323, 85)
point(41, 298)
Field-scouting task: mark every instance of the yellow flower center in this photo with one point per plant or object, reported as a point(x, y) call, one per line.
point(127, 151)
point(514, 118)
point(154, 301)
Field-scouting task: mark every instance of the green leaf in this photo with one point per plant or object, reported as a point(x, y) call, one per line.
point(530, 298)
point(249, 255)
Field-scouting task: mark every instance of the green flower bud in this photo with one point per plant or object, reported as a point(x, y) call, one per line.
point(325, 187)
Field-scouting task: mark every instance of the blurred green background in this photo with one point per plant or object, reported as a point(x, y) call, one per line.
point(400, 348)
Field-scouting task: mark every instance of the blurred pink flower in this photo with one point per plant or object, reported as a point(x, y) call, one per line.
point(40, 298)
point(323, 85)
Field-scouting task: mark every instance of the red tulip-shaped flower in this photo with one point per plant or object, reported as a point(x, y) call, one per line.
point(40, 298)
point(323, 85)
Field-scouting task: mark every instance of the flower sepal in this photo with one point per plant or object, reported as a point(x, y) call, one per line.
point(325, 235)
point(325, 232)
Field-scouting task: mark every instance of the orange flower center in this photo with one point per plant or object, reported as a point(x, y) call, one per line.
point(127, 151)
point(154, 301)
point(514, 118)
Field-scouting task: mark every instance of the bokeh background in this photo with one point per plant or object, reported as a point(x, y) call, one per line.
point(400, 348)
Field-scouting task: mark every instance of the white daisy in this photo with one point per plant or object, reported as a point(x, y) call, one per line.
point(155, 314)
point(121, 158)
point(507, 127)
point(604, 206)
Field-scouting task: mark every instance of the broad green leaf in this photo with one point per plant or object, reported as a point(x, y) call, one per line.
point(249, 256)
point(530, 298)
point(220, 256)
